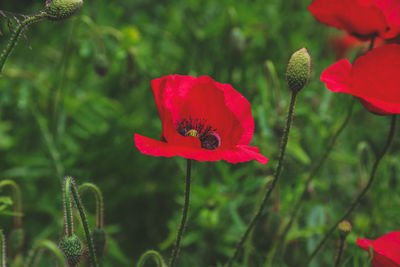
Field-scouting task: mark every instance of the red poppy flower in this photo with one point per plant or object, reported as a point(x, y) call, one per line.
point(373, 79)
point(386, 249)
point(202, 120)
point(362, 18)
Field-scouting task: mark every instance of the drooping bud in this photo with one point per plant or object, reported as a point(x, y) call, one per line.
point(16, 241)
point(62, 9)
point(72, 248)
point(99, 240)
point(344, 228)
point(298, 70)
point(101, 65)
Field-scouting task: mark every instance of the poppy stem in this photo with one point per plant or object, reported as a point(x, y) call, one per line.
point(2, 249)
point(17, 201)
point(340, 250)
point(153, 254)
point(34, 254)
point(99, 202)
point(257, 215)
point(363, 192)
point(314, 171)
point(15, 36)
point(69, 189)
point(182, 226)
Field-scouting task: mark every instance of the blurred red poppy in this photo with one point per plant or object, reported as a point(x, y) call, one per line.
point(373, 79)
point(386, 249)
point(202, 120)
point(362, 18)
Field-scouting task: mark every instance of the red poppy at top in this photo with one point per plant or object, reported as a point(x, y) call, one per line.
point(373, 78)
point(202, 120)
point(386, 249)
point(362, 18)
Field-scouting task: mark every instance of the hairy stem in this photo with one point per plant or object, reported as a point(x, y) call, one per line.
point(340, 251)
point(354, 204)
point(185, 212)
point(153, 254)
point(257, 215)
point(2, 249)
point(15, 36)
point(17, 201)
point(85, 224)
point(99, 202)
point(312, 174)
point(67, 207)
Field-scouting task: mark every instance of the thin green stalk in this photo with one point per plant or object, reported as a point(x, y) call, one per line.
point(15, 36)
point(51, 247)
point(312, 174)
point(354, 204)
point(257, 215)
point(17, 201)
point(85, 224)
point(151, 254)
point(99, 202)
point(185, 212)
point(340, 251)
point(2, 249)
point(68, 216)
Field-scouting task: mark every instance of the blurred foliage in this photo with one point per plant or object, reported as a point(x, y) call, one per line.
point(73, 94)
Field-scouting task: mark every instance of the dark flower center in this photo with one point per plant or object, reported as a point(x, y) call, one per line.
point(208, 136)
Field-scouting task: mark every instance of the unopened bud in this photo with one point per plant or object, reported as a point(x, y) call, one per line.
point(101, 65)
point(72, 248)
point(344, 228)
point(298, 70)
point(62, 9)
point(99, 240)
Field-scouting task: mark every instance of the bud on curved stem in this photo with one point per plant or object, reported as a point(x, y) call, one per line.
point(62, 9)
point(2, 249)
point(70, 188)
point(298, 71)
point(51, 247)
point(155, 255)
point(17, 201)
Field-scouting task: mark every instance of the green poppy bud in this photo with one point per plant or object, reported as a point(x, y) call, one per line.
point(101, 65)
point(99, 241)
point(62, 9)
point(344, 228)
point(16, 240)
point(298, 70)
point(72, 248)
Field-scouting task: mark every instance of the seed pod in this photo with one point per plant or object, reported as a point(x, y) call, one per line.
point(298, 71)
point(72, 248)
point(99, 241)
point(62, 9)
point(344, 228)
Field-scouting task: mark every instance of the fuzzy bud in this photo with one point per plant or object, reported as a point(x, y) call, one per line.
point(72, 248)
point(99, 241)
point(101, 65)
point(344, 228)
point(62, 9)
point(298, 70)
point(16, 240)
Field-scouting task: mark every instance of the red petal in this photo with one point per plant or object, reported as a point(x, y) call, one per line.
point(202, 98)
point(373, 78)
point(337, 76)
point(355, 16)
point(386, 249)
point(156, 148)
